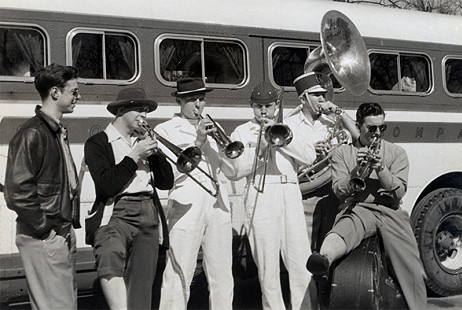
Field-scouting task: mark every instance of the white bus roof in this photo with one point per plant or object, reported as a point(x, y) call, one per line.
point(297, 15)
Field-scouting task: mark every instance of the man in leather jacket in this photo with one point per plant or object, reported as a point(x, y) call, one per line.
point(41, 187)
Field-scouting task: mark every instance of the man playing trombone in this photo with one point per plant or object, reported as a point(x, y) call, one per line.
point(370, 176)
point(275, 221)
point(198, 207)
point(123, 226)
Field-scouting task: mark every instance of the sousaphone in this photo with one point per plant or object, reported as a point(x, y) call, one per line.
point(343, 54)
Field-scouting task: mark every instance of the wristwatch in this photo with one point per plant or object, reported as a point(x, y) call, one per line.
point(380, 168)
point(339, 111)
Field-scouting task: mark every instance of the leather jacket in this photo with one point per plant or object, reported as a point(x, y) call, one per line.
point(36, 182)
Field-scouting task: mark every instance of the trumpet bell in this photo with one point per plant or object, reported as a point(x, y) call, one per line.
point(189, 159)
point(278, 135)
point(234, 149)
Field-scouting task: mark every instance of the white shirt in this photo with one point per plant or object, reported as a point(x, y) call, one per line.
point(182, 133)
point(319, 130)
point(282, 160)
point(141, 181)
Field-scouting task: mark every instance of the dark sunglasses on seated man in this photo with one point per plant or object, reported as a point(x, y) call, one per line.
point(373, 129)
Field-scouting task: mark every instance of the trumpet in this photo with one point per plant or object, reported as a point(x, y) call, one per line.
point(232, 149)
point(363, 170)
point(276, 135)
point(188, 159)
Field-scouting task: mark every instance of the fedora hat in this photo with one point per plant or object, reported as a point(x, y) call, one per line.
point(189, 86)
point(308, 82)
point(131, 98)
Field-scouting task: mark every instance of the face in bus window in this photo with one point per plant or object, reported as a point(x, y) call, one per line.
point(191, 106)
point(373, 125)
point(265, 110)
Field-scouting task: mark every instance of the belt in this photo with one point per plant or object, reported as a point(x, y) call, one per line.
point(135, 196)
point(277, 179)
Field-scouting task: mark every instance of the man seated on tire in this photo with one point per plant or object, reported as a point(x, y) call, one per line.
point(374, 208)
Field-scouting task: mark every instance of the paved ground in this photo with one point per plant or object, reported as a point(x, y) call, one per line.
point(247, 296)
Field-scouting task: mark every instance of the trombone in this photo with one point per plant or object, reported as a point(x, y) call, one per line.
point(276, 135)
point(188, 159)
point(232, 149)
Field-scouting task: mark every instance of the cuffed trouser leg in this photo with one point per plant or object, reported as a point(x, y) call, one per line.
point(399, 243)
point(401, 247)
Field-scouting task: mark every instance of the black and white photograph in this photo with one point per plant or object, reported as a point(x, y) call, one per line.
point(230, 154)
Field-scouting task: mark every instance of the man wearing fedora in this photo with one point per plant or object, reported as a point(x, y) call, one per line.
point(196, 218)
point(274, 218)
point(123, 225)
point(318, 118)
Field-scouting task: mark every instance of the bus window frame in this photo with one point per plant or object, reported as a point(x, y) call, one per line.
point(46, 50)
point(443, 74)
point(274, 45)
point(103, 31)
point(202, 39)
point(399, 53)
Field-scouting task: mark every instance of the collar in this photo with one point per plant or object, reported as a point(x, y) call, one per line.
point(50, 121)
point(113, 134)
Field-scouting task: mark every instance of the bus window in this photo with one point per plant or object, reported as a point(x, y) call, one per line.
point(103, 55)
point(453, 75)
point(288, 62)
point(23, 51)
point(219, 62)
point(399, 73)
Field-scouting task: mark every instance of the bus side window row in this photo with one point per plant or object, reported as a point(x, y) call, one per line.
point(109, 55)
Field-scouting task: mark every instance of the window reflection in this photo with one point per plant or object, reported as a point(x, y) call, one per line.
point(23, 51)
point(220, 62)
point(119, 51)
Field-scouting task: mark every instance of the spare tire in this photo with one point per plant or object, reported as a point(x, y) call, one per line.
point(437, 224)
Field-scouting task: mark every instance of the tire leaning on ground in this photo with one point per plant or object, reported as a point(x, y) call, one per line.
point(437, 225)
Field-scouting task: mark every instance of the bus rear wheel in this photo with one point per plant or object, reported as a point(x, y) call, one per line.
point(437, 224)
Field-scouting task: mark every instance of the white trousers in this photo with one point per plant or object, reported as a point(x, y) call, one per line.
point(197, 219)
point(277, 227)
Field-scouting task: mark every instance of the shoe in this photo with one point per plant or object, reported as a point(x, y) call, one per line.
point(317, 264)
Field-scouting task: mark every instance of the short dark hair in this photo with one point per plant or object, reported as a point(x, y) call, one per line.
point(368, 109)
point(53, 75)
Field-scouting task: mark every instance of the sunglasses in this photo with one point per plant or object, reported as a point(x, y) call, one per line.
point(373, 129)
point(74, 92)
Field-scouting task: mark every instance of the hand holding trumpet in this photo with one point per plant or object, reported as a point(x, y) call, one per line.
point(365, 154)
point(144, 148)
point(205, 127)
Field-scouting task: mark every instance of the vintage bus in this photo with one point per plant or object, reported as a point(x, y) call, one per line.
point(234, 45)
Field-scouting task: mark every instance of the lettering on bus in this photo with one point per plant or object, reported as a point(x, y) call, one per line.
point(401, 132)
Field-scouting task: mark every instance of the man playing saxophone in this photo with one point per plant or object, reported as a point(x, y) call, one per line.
point(373, 207)
point(273, 204)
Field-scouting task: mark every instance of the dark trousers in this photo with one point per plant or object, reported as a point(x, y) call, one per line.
point(128, 246)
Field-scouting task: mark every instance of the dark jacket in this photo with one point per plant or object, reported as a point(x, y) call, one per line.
point(110, 178)
point(36, 184)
